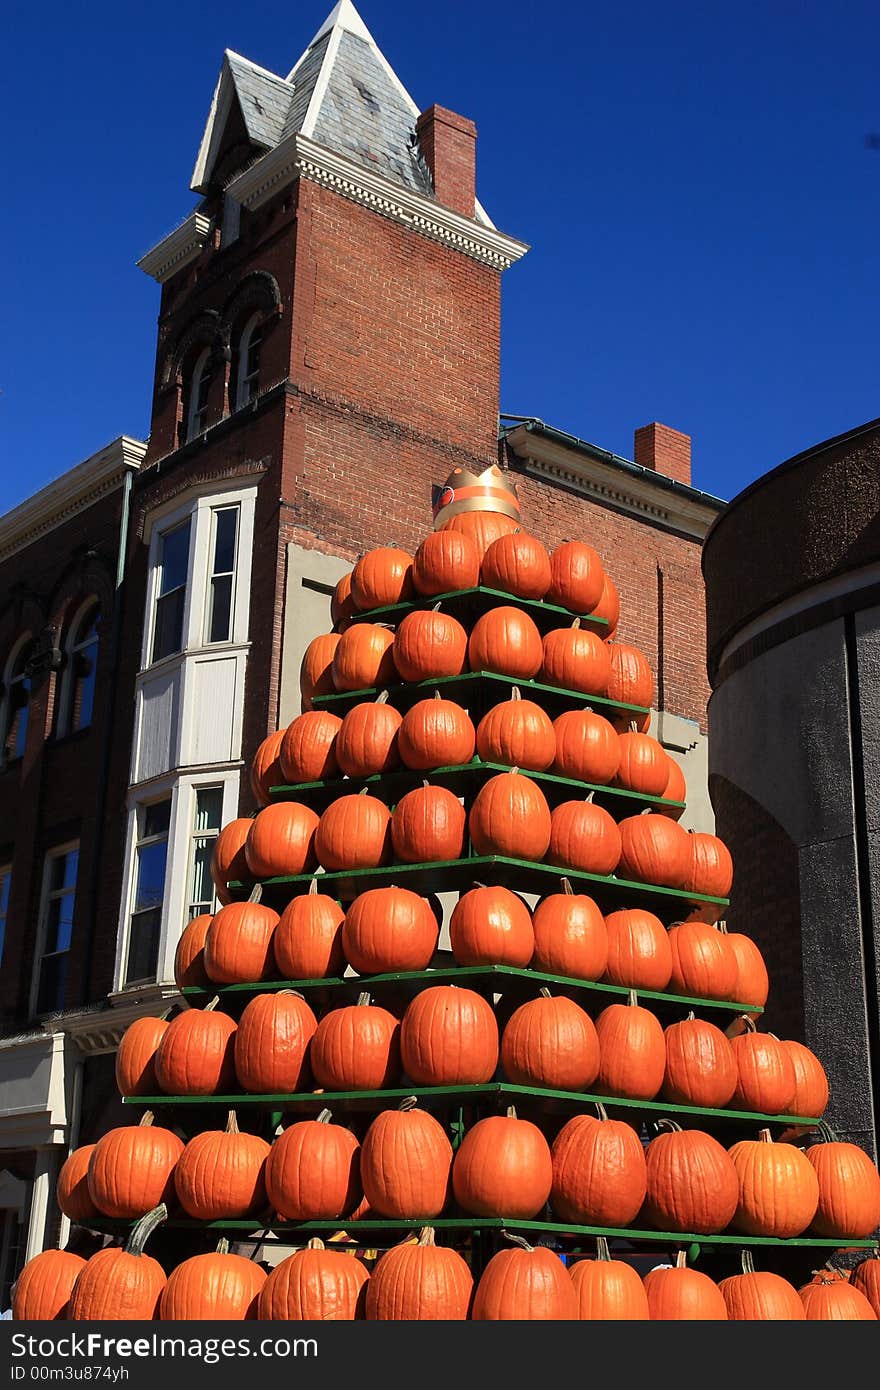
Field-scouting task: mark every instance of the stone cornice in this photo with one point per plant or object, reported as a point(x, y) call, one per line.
point(96, 1031)
point(298, 157)
point(177, 249)
point(73, 492)
point(609, 484)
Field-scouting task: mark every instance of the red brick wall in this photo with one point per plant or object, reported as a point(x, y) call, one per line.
point(665, 450)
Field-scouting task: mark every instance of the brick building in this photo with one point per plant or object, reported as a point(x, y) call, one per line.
point(329, 321)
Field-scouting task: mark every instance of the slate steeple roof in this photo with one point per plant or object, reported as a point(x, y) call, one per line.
point(342, 93)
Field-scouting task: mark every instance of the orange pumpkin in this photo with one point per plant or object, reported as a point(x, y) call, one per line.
point(381, 577)
point(599, 1174)
point(354, 833)
point(517, 564)
point(313, 1171)
point(528, 1284)
point(587, 747)
point(654, 849)
point(272, 1044)
point(703, 963)
point(316, 670)
point(632, 1051)
point(510, 816)
point(308, 748)
point(430, 645)
point(674, 791)
point(308, 938)
point(517, 732)
point(217, 1287)
point(577, 579)
point(849, 1189)
point(503, 1168)
point(281, 842)
point(826, 1299)
point(639, 953)
point(631, 681)
point(778, 1188)
point(314, 1285)
point(189, 958)
point(389, 929)
point(866, 1278)
point(72, 1188)
point(811, 1084)
point(491, 926)
point(692, 1184)
point(449, 1037)
point(700, 1064)
point(678, 1294)
point(760, 1296)
point(643, 766)
point(266, 768)
point(420, 1282)
point(710, 867)
point(436, 733)
point(445, 562)
point(364, 658)
point(406, 1160)
point(136, 1057)
point(43, 1289)
point(196, 1056)
point(507, 642)
point(576, 659)
point(752, 981)
point(428, 826)
point(220, 1174)
point(765, 1072)
point(367, 741)
point(608, 1290)
point(570, 935)
point(121, 1285)
point(356, 1048)
point(228, 861)
point(342, 606)
point(481, 527)
point(238, 946)
point(550, 1042)
point(131, 1170)
point(584, 837)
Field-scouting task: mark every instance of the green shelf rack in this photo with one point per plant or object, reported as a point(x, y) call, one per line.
point(469, 604)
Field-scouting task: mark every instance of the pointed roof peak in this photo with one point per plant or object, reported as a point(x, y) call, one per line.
point(344, 16)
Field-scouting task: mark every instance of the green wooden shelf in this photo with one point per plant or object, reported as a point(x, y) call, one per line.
point(497, 1092)
point(469, 604)
point(459, 874)
point(478, 691)
point(465, 779)
point(497, 979)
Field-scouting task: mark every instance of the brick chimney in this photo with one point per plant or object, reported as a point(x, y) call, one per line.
point(665, 450)
point(449, 144)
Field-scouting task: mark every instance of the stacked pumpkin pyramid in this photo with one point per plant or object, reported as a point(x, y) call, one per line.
point(517, 1119)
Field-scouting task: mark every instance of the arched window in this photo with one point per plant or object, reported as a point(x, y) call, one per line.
point(17, 694)
point(80, 669)
point(199, 386)
point(249, 345)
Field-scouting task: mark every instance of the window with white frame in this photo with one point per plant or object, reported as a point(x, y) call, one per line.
point(55, 929)
point(16, 699)
point(148, 892)
point(81, 668)
point(199, 388)
point(224, 543)
point(249, 347)
point(5, 883)
point(172, 569)
point(206, 826)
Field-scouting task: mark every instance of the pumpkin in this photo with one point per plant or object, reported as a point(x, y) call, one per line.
point(265, 770)
point(389, 929)
point(570, 935)
point(654, 849)
point(517, 732)
point(608, 606)
point(136, 1057)
point(700, 1065)
point(217, 1287)
point(43, 1289)
point(760, 1296)
point(189, 958)
point(527, 1284)
point(765, 1072)
point(357, 1048)
point(314, 1285)
point(503, 1167)
point(849, 1189)
point(576, 659)
point(316, 670)
point(354, 833)
point(364, 658)
point(436, 733)
point(308, 748)
point(639, 953)
point(710, 868)
point(131, 1170)
point(308, 938)
point(420, 1282)
point(599, 1174)
point(428, 826)
point(752, 981)
point(228, 862)
point(406, 1160)
point(866, 1278)
point(585, 837)
point(587, 747)
point(491, 926)
point(430, 645)
point(196, 1056)
point(517, 564)
point(631, 681)
point(281, 842)
point(272, 1044)
point(342, 606)
point(577, 578)
point(121, 1285)
point(449, 1037)
point(313, 1171)
point(608, 1290)
point(703, 963)
point(72, 1188)
point(691, 1181)
point(507, 642)
point(643, 765)
point(220, 1174)
point(632, 1051)
point(509, 816)
point(811, 1084)
point(445, 562)
point(381, 577)
point(674, 791)
point(778, 1188)
point(826, 1299)
point(550, 1042)
point(367, 741)
point(481, 527)
point(238, 945)
point(678, 1294)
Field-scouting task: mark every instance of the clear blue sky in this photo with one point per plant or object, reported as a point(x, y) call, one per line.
point(693, 179)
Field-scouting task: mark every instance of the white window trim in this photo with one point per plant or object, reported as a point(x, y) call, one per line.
point(65, 698)
point(55, 852)
point(199, 370)
point(255, 321)
point(196, 787)
point(210, 574)
point(182, 789)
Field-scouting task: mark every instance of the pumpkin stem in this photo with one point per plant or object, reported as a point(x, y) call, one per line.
point(600, 1109)
point(826, 1134)
point(672, 1125)
point(518, 1240)
point(256, 893)
point(232, 1123)
point(362, 999)
point(589, 799)
point(382, 699)
point(681, 1259)
point(576, 624)
point(764, 1136)
point(223, 1246)
point(315, 1244)
point(567, 888)
point(325, 1117)
point(408, 1103)
point(632, 999)
point(515, 693)
point(511, 1112)
point(748, 1262)
point(602, 1251)
point(749, 1023)
point(426, 1236)
point(691, 1016)
point(212, 1004)
point(143, 1229)
point(146, 1119)
point(514, 771)
point(313, 888)
point(363, 791)
point(544, 992)
point(437, 695)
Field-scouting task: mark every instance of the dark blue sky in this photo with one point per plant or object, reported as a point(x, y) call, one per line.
point(693, 178)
